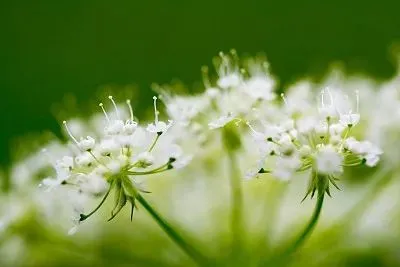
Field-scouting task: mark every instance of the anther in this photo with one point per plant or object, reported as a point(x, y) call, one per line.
point(284, 99)
point(115, 105)
point(70, 133)
point(104, 111)
point(357, 100)
point(155, 109)
point(128, 102)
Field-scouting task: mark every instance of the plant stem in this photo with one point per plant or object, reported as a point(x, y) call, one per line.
point(308, 230)
point(237, 224)
point(346, 223)
point(177, 238)
point(350, 218)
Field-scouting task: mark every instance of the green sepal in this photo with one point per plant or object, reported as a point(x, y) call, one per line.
point(320, 184)
point(311, 185)
point(120, 200)
point(128, 187)
point(133, 206)
point(332, 180)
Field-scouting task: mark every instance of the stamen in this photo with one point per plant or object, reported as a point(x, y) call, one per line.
point(265, 66)
point(224, 66)
point(330, 95)
point(235, 57)
point(284, 99)
point(350, 111)
point(322, 98)
point(115, 106)
point(70, 133)
point(357, 100)
point(155, 109)
point(206, 78)
point(251, 127)
point(104, 111)
point(128, 102)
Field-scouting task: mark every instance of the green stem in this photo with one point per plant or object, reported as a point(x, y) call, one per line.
point(310, 227)
point(177, 238)
point(237, 224)
point(85, 216)
point(345, 224)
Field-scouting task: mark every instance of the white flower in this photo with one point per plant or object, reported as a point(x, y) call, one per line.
point(183, 109)
point(327, 107)
point(221, 121)
point(260, 88)
point(177, 157)
point(158, 127)
point(145, 159)
point(329, 161)
point(130, 127)
point(297, 100)
point(319, 141)
point(260, 84)
point(228, 72)
point(337, 129)
point(229, 80)
point(86, 143)
point(285, 167)
point(365, 149)
point(349, 120)
point(307, 124)
point(121, 153)
point(115, 127)
point(305, 151)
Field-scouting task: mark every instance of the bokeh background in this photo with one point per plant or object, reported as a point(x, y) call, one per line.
point(50, 49)
point(66, 53)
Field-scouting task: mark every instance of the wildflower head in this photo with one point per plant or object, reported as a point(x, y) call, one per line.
point(113, 158)
point(320, 142)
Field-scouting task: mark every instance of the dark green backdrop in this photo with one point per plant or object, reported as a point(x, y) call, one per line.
point(52, 48)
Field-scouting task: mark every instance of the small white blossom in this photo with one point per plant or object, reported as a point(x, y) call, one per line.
point(221, 121)
point(329, 161)
point(158, 127)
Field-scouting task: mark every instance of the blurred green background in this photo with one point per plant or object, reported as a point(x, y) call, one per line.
point(52, 48)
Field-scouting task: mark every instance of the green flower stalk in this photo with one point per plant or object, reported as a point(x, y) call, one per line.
point(232, 143)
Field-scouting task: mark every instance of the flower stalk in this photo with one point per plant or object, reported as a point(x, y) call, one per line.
point(174, 235)
point(237, 224)
point(310, 226)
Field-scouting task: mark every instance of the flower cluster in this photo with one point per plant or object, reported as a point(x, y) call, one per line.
point(237, 90)
point(316, 137)
point(294, 134)
point(116, 157)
